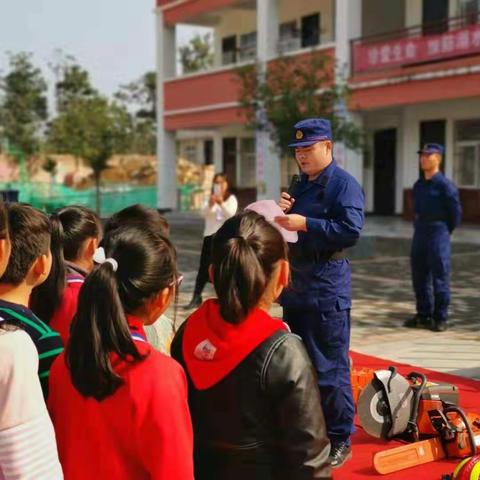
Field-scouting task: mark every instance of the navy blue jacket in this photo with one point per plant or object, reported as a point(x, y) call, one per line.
point(334, 206)
point(436, 200)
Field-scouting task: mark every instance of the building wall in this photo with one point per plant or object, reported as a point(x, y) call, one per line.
point(238, 21)
point(295, 10)
point(233, 22)
point(407, 122)
point(380, 17)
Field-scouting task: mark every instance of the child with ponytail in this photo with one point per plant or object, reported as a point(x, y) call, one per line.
point(76, 232)
point(119, 407)
point(253, 391)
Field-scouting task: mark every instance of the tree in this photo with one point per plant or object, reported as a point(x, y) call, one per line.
point(90, 128)
point(50, 166)
point(292, 89)
point(23, 103)
point(139, 100)
point(197, 54)
point(73, 82)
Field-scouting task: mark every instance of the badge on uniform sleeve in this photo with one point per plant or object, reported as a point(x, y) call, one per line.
point(299, 135)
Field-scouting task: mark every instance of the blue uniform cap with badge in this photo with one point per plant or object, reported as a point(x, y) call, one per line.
point(429, 148)
point(310, 131)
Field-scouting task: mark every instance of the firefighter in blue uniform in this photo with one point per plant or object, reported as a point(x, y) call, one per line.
point(437, 213)
point(326, 208)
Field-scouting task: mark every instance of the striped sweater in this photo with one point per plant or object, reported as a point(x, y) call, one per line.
point(48, 343)
point(27, 441)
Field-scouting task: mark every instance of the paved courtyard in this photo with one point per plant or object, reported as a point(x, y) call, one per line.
point(382, 294)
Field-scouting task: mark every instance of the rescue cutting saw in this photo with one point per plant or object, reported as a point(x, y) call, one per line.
point(425, 415)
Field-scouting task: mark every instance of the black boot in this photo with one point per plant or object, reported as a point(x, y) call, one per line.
point(439, 326)
point(339, 454)
point(195, 302)
point(418, 321)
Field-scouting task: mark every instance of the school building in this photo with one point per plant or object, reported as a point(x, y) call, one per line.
point(413, 67)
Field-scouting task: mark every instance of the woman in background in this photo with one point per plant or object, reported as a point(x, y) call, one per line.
point(221, 206)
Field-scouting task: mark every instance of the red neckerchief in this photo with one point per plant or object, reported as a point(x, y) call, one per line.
point(212, 347)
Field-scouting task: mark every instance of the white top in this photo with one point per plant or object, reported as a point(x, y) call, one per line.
point(28, 449)
point(215, 216)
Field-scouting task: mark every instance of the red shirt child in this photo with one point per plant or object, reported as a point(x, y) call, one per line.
point(142, 431)
point(63, 316)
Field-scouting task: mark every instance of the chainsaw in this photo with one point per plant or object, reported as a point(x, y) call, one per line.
point(425, 415)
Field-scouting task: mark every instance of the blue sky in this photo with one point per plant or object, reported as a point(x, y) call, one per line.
point(113, 39)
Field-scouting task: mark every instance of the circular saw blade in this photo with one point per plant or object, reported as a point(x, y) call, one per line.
point(373, 410)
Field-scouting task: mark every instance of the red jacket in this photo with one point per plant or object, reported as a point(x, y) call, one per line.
point(142, 431)
point(63, 316)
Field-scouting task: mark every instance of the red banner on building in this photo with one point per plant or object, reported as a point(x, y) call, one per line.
point(405, 51)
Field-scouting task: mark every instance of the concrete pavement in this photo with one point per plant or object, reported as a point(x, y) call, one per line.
point(382, 294)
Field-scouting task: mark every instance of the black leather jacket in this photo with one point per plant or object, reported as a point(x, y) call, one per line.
point(262, 421)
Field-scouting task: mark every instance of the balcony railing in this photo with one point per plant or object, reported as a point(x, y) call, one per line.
point(452, 38)
point(289, 44)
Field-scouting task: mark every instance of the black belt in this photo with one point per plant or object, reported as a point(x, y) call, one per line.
point(304, 258)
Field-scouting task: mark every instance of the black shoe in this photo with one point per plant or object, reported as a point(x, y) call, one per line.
point(195, 302)
point(418, 321)
point(440, 326)
point(339, 454)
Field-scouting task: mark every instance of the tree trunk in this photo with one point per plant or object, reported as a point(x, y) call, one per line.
point(98, 193)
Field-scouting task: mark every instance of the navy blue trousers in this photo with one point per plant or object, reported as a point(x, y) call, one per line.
point(326, 336)
point(430, 262)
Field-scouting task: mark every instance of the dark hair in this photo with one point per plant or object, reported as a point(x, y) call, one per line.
point(141, 216)
point(224, 176)
point(71, 227)
point(244, 253)
point(3, 236)
point(3, 221)
point(146, 265)
point(30, 236)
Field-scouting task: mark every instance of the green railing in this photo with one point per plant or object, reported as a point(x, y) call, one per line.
point(49, 197)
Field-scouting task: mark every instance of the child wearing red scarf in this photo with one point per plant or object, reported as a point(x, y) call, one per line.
point(254, 397)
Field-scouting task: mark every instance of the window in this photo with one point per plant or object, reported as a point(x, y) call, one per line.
point(248, 46)
point(189, 151)
point(311, 30)
point(229, 50)
point(208, 152)
point(230, 159)
point(470, 9)
point(289, 37)
point(467, 153)
point(247, 163)
point(434, 17)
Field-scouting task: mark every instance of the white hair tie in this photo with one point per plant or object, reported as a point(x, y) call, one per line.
point(100, 257)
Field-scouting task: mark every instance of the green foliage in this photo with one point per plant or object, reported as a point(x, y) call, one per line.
point(50, 166)
point(139, 99)
point(293, 89)
point(73, 82)
point(197, 54)
point(23, 103)
point(90, 128)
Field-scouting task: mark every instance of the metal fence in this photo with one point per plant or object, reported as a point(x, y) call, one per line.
point(48, 197)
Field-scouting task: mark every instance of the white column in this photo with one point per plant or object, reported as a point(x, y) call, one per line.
point(348, 25)
point(218, 151)
point(166, 152)
point(267, 156)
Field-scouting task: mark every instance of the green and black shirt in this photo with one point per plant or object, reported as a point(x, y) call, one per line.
point(48, 342)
